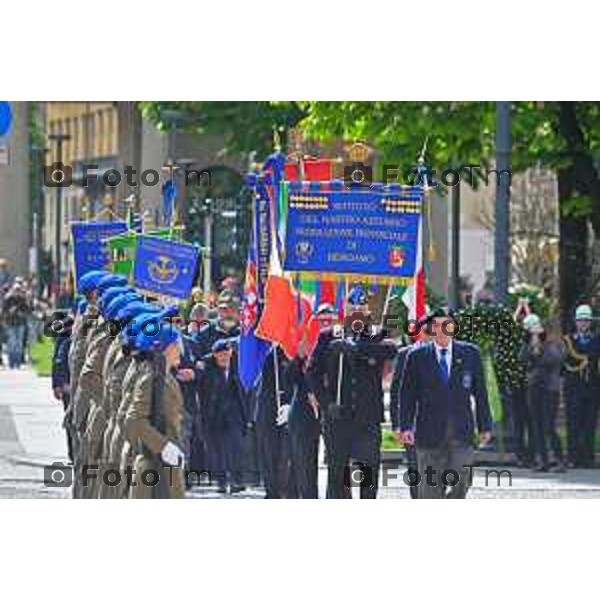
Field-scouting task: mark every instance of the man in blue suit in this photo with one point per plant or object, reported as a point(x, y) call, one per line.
point(440, 379)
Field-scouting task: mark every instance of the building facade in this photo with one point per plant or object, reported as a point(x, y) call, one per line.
point(15, 219)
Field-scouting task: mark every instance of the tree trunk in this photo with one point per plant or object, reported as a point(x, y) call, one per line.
point(573, 262)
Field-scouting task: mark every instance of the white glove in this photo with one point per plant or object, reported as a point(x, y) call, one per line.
point(282, 414)
point(172, 455)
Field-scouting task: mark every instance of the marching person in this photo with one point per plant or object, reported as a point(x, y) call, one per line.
point(304, 417)
point(543, 356)
point(346, 377)
point(154, 417)
point(224, 414)
point(439, 380)
point(421, 338)
point(60, 375)
point(190, 368)
point(90, 391)
point(581, 387)
point(119, 357)
point(271, 417)
point(88, 312)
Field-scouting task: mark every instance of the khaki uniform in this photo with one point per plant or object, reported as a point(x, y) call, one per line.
point(89, 396)
point(148, 441)
point(119, 453)
point(115, 367)
point(77, 354)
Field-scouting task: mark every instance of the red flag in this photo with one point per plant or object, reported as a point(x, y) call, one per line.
point(414, 296)
point(279, 319)
point(318, 169)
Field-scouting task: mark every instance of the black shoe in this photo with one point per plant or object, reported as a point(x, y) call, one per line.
point(236, 489)
point(559, 468)
point(543, 468)
point(222, 489)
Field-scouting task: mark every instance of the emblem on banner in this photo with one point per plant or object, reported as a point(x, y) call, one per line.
point(304, 250)
point(163, 269)
point(396, 257)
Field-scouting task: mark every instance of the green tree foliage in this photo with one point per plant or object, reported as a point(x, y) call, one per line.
point(245, 126)
point(564, 136)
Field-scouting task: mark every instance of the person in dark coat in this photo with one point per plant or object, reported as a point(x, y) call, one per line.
point(223, 408)
point(544, 358)
point(346, 377)
point(188, 374)
point(411, 454)
point(271, 418)
point(439, 380)
point(304, 418)
point(581, 388)
point(61, 375)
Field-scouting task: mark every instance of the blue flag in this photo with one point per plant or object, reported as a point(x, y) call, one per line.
point(165, 267)
point(253, 351)
point(90, 253)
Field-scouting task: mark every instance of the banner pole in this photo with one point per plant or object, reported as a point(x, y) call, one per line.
point(276, 367)
point(338, 399)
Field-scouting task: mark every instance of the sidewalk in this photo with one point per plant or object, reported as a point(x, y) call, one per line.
point(31, 435)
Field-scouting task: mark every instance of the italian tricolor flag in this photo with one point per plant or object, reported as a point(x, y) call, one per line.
point(414, 296)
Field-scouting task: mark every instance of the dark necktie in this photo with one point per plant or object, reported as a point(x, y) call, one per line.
point(444, 364)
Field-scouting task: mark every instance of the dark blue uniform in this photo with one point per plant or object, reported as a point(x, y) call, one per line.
point(192, 435)
point(224, 415)
point(581, 387)
point(61, 378)
point(304, 431)
point(273, 440)
point(352, 427)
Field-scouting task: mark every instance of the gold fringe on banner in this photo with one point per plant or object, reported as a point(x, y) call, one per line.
point(351, 277)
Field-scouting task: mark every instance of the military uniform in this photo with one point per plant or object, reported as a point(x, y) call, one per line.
point(304, 432)
point(273, 439)
point(119, 450)
point(60, 381)
point(115, 367)
point(352, 427)
point(90, 393)
point(148, 441)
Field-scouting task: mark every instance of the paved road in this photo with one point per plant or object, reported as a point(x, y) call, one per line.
point(31, 437)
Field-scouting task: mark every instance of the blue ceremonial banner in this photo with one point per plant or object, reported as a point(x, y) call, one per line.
point(165, 267)
point(365, 231)
point(90, 253)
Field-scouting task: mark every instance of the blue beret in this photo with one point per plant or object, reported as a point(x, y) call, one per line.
point(112, 309)
point(88, 282)
point(149, 332)
point(137, 307)
point(110, 280)
point(81, 306)
point(357, 296)
point(110, 294)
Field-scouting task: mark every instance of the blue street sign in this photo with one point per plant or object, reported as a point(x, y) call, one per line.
point(5, 117)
